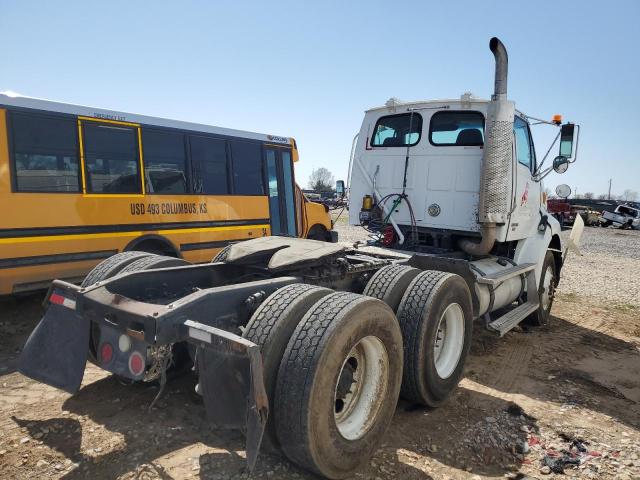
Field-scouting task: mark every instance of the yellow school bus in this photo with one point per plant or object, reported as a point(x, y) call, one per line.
point(79, 184)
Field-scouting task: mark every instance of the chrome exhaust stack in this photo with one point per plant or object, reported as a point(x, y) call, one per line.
point(496, 170)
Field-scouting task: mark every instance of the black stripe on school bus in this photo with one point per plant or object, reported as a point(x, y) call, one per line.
point(186, 247)
point(56, 258)
point(127, 227)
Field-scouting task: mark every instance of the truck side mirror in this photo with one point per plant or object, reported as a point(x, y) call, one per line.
point(340, 188)
point(560, 164)
point(563, 190)
point(566, 140)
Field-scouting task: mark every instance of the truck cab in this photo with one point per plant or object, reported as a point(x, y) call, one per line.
point(441, 143)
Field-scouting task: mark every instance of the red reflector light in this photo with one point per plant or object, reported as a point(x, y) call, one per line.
point(136, 364)
point(57, 299)
point(106, 353)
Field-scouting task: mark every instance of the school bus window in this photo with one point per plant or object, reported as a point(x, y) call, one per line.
point(247, 168)
point(44, 153)
point(111, 159)
point(209, 159)
point(164, 162)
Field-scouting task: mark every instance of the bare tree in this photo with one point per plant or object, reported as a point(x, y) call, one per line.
point(629, 196)
point(588, 195)
point(321, 180)
point(602, 196)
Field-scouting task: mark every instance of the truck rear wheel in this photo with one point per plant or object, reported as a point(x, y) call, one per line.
point(104, 270)
point(389, 284)
point(271, 327)
point(338, 384)
point(153, 261)
point(111, 266)
point(124, 262)
point(221, 256)
point(435, 316)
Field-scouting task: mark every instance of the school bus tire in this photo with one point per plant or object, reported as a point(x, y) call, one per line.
point(271, 327)
point(155, 244)
point(338, 384)
point(318, 232)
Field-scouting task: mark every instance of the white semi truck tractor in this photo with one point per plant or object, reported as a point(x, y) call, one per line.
point(459, 181)
point(307, 345)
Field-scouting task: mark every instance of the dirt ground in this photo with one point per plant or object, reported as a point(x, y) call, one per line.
point(572, 386)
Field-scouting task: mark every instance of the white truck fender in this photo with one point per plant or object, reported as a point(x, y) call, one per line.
point(533, 249)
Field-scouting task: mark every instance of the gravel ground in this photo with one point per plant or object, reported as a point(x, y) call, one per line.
point(608, 269)
point(567, 393)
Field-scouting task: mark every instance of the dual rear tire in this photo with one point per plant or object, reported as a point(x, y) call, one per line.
point(434, 311)
point(332, 371)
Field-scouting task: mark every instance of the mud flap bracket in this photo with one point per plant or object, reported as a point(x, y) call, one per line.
point(231, 382)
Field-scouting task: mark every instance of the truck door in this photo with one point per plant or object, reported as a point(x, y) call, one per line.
point(281, 188)
point(525, 217)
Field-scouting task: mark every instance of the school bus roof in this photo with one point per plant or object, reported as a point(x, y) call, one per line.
point(10, 99)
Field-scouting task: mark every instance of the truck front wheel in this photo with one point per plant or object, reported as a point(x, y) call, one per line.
point(435, 316)
point(338, 384)
point(546, 292)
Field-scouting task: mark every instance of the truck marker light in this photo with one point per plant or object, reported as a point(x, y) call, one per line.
point(124, 343)
point(136, 364)
point(106, 353)
point(58, 299)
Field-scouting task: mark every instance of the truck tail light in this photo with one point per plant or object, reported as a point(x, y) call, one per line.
point(136, 364)
point(106, 353)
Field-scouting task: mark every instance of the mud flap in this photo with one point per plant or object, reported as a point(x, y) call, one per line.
point(573, 243)
point(56, 351)
point(231, 383)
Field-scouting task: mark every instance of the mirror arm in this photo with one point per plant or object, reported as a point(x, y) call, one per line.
point(540, 175)
point(544, 159)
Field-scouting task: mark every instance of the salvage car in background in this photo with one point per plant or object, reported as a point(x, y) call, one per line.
point(624, 216)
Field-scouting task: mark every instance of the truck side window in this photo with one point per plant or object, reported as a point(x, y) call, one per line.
point(524, 146)
point(400, 130)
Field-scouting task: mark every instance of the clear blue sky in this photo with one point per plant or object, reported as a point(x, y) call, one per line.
point(310, 69)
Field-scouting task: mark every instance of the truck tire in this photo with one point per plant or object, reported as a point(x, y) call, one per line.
point(338, 384)
point(389, 284)
point(104, 270)
point(132, 261)
point(112, 266)
point(153, 261)
point(436, 317)
point(546, 292)
point(221, 256)
point(271, 327)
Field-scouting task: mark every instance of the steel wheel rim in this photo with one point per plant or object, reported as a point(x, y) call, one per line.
point(547, 288)
point(449, 340)
point(367, 365)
